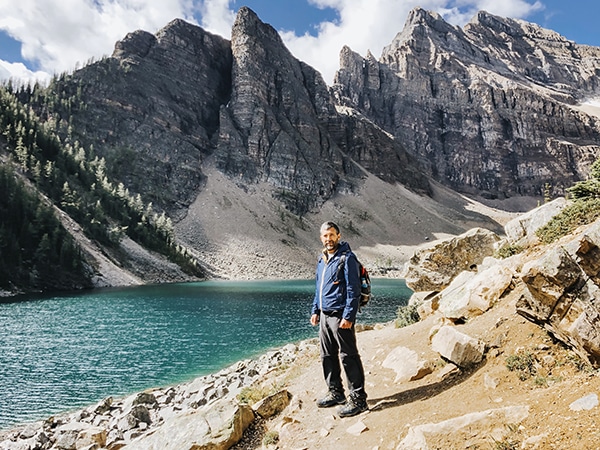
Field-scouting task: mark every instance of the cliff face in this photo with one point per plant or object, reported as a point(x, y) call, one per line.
point(281, 126)
point(272, 128)
point(152, 109)
point(488, 109)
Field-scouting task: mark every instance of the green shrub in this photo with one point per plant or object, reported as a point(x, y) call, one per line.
point(589, 188)
point(407, 315)
point(523, 363)
point(252, 394)
point(584, 210)
point(270, 438)
point(580, 212)
point(508, 250)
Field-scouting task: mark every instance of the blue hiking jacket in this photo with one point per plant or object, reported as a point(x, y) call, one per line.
point(337, 291)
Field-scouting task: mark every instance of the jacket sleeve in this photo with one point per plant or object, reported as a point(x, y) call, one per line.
point(315, 306)
point(352, 287)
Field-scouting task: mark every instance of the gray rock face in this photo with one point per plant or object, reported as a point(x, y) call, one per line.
point(272, 127)
point(433, 268)
point(281, 126)
point(152, 109)
point(562, 293)
point(488, 109)
point(161, 104)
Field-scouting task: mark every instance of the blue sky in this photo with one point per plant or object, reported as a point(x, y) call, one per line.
point(39, 38)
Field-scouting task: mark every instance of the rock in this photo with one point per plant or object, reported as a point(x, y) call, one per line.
point(79, 435)
point(145, 398)
point(417, 298)
point(91, 437)
point(31, 430)
point(558, 294)
point(103, 406)
point(407, 365)
point(475, 293)
point(457, 347)
point(66, 440)
point(521, 230)
point(587, 251)
point(449, 370)
point(585, 403)
point(216, 426)
point(548, 278)
point(490, 382)
point(113, 438)
point(357, 429)
point(432, 268)
point(273, 404)
point(492, 422)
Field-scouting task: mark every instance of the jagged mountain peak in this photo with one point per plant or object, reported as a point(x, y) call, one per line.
point(248, 25)
point(421, 24)
point(135, 44)
point(457, 98)
point(513, 28)
point(420, 16)
point(425, 36)
point(177, 35)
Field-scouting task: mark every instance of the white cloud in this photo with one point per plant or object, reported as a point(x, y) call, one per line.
point(217, 17)
point(56, 35)
point(19, 73)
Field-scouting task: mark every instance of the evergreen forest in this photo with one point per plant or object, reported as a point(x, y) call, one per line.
point(45, 173)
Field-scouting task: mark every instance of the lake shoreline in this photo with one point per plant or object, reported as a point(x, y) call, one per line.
point(53, 318)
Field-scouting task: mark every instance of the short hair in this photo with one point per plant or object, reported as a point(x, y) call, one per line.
point(328, 225)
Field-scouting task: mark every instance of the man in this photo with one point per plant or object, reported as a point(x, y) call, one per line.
point(334, 308)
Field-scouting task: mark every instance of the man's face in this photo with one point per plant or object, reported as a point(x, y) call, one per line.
point(330, 238)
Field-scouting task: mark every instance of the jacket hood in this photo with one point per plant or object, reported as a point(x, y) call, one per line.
point(343, 247)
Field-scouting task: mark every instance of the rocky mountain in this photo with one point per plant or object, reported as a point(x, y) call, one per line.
point(247, 149)
point(490, 109)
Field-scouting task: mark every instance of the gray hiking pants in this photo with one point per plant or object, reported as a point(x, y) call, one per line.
point(338, 343)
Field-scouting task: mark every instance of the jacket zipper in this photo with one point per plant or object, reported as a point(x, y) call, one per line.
point(321, 287)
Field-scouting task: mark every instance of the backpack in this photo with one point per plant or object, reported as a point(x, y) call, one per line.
point(365, 281)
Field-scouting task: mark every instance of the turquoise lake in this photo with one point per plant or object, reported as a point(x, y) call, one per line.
point(61, 352)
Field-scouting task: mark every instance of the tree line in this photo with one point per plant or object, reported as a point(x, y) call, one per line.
point(73, 179)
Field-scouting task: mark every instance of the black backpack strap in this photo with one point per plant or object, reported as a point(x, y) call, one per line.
point(341, 264)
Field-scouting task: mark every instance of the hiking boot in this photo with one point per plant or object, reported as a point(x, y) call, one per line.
point(353, 407)
point(331, 399)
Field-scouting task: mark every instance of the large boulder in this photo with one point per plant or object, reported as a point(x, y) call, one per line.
point(548, 279)
point(458, 348)
point(216, 426)
point(561, 293)
point(470, 297)
point(433, 268)
point(521, 230)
